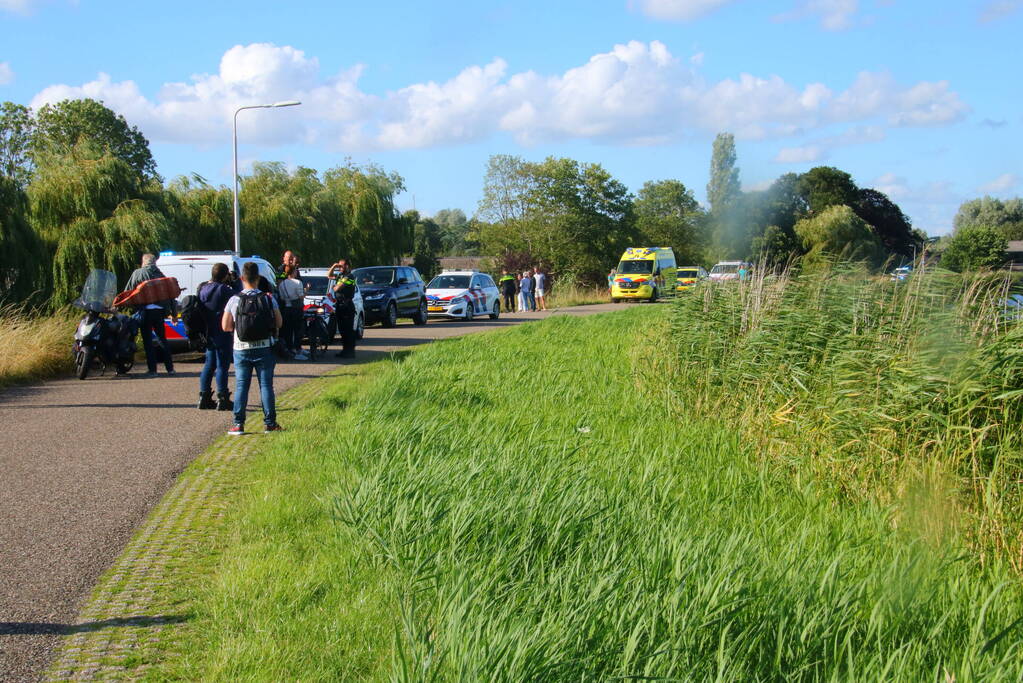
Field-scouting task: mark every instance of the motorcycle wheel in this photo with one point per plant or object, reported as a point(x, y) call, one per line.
point(84, 361)
point(124, 367)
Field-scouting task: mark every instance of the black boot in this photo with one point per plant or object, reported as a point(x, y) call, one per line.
point(206, 400)
point(224, 401)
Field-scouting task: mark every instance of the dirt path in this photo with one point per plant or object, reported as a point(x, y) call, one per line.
point(84, 462)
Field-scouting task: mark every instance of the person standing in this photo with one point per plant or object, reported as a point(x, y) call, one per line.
point(154, 334)
point(540, 279)
point(611, 280)
point(525, 287)
point(508, 286)
point(344, 306)
point(213, 296)
point(291, 294)
point(254, 317)
point(288, 260)
point(531, 294)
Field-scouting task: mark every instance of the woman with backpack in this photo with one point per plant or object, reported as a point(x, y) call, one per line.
point(213, 296)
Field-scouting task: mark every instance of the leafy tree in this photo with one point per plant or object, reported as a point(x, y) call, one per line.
point(892, 226)
point(574, 218)
point(776, 244)
point(723, 187)
point(201, 215)
point(92, 210)
point(62, 126)
point(1004, 216)
point(455, 233)
point(16, 127)
point(838, 232)
point(826, 186)
point(772, 215)
point(974, 248)
point(667, 214)
point(21, 251)
point(427, 242)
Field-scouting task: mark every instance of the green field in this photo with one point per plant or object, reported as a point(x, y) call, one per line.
point(539, 504)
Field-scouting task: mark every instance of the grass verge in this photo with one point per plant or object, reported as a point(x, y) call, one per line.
point(564, 296)
point(34, 347)
point(523, 505)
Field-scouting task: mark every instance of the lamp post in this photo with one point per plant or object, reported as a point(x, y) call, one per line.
point(237, 228)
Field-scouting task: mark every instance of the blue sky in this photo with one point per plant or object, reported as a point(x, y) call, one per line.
point(920, 99)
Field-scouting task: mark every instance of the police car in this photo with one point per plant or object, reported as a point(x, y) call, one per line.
point(463, 294)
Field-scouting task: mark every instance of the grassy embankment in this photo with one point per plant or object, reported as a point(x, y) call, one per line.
point(540, 503)
point(34, 347)
point(564, 296)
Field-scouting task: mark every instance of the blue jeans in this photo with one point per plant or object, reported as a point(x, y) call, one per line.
point(263, 362)
point(532, 300)
point(218, 361)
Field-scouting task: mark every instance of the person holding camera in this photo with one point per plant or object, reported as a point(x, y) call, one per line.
point(344, 306)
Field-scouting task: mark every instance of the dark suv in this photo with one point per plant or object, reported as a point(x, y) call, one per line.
point(392, 292)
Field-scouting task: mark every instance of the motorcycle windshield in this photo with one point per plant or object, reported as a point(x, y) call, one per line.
point(99, 291)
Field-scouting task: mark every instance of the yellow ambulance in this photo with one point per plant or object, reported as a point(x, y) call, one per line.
point(644, 273)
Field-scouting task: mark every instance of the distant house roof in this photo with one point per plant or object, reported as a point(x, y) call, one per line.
point(1015, 246)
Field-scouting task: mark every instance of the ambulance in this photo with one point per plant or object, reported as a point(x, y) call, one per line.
point(644, 274)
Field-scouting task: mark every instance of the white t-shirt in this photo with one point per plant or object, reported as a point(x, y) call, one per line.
point(232, 308)
point(541, 280)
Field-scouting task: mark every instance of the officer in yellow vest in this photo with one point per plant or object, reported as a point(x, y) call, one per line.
point(344, 306)
point(508, 284)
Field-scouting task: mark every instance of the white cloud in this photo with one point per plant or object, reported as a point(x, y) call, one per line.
point(932, 192)
point(680, 10)
point(834, 15)
point(6, 73)
point(999, 9)
point(17, 6)
point(800, 155)
point(1003, 183)
point(637, 93)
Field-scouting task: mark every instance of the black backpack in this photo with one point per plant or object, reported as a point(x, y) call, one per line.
point(193, 316)
point(254, 320)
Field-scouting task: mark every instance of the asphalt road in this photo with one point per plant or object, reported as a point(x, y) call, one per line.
point(83, 462)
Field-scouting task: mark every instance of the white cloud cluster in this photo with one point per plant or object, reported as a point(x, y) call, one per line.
point(834, 15)
point(1001, 184)
point(637, 93)
point(820, 149)
point(680, 10)
point(6, 73)
point(999, 9)
point(901, 190)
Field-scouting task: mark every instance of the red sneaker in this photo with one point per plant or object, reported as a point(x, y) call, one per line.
point(273, 428)
point(237, 430)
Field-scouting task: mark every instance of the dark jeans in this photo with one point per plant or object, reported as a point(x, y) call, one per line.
point(346, 327)
point(531, 296)
point(156, 349)
point(218, 362)
point(294, 322)
point(263, 362)
point(509, 302)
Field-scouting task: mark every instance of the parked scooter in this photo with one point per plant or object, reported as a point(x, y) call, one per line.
point(101, 341)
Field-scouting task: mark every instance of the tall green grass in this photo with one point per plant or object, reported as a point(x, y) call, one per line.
point(872, 385)
point(529, 505)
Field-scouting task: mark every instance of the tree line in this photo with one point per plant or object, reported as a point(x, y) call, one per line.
point(79, 190)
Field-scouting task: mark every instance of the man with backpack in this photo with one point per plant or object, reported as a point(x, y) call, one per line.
point(213, 297)
point(254, 317)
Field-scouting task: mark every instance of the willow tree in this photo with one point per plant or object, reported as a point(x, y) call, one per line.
point(371, 229)
point(200, 215)
point(92, 210)
point(20, 249)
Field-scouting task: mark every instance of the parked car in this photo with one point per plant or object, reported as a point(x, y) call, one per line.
point(730, 270)
point(192, 268)
point(901, 273)
point(463, 294)
point(319, 296)
point(392, 292)
point(689, 276)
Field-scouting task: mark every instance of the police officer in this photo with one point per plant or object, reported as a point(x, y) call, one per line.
point(344, 306)
point(508, 284)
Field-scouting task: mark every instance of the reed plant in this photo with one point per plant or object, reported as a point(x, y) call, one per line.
point(34, 346)
point(869, 384)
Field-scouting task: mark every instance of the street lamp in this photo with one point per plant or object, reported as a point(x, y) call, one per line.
point(237, 230)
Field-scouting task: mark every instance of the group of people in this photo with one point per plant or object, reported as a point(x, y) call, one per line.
point(247, 324)
point(528, 290)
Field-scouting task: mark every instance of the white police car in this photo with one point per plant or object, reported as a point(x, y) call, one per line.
point(463, 294)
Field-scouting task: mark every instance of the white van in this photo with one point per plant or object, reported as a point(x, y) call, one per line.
point(192, 268)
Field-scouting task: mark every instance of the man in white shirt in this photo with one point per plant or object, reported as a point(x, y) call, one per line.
point(541, 288)
point(254, 317)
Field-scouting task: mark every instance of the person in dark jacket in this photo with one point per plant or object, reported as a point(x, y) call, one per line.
point(214, 296)
point(154, 335)
point(509, 285)
point(344, 306)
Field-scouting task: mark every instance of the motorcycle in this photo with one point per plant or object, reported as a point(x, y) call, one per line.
point(319, 327)
point(101, 341)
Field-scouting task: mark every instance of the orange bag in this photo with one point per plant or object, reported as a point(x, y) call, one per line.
point(150, 292)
